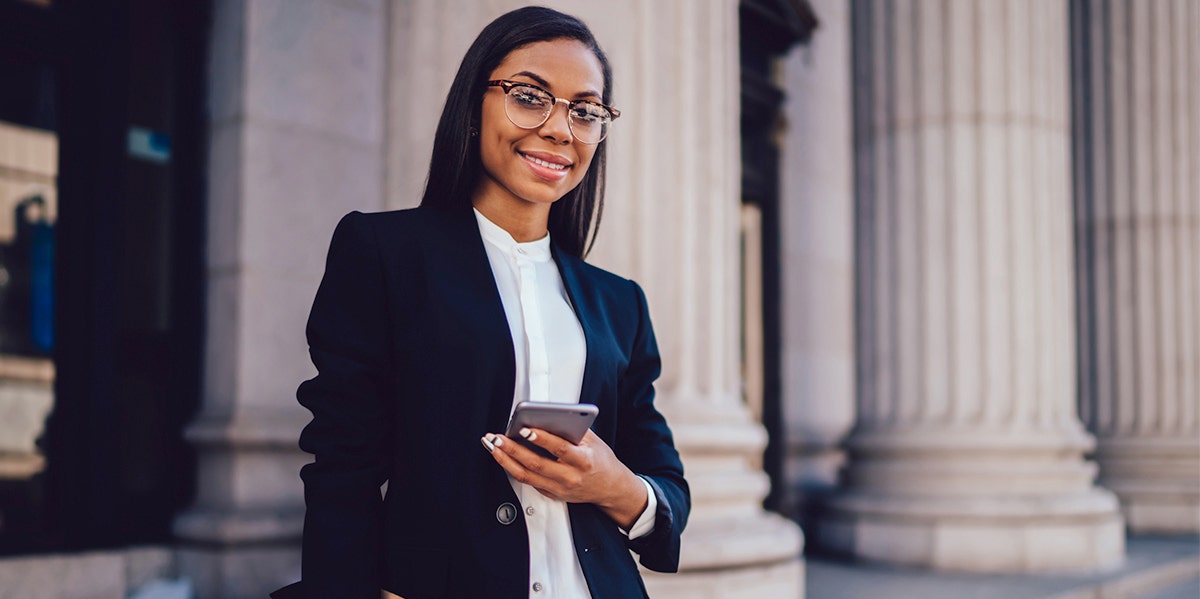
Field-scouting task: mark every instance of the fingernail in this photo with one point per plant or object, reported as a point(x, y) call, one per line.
point(487, 444)
point(524, 432)
point(498, 440)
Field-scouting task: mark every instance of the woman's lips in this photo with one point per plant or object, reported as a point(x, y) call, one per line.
point(549, 168)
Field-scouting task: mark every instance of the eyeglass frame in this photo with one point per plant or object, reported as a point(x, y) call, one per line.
point(507, 84)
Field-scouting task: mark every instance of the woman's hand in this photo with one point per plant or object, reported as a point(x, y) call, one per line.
point(584, 473)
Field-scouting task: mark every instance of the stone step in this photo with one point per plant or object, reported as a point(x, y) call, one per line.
point(1152, 565)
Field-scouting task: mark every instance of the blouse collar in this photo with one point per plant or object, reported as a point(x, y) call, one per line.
point(537, 250)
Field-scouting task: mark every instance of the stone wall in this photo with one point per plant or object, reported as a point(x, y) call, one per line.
point(296, 140)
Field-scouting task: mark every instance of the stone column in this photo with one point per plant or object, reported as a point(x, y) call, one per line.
point(1137, 183)
point(967, 453)
point(817, 262)
point(295, 141)
point(672, 223)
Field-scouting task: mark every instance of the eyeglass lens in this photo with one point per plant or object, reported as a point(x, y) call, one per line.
point(529, 107)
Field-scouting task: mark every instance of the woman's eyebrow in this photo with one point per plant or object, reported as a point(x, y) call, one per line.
point(536, 78)
point(542, 82)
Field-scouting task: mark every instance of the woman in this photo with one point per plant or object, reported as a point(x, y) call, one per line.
point(431, 324)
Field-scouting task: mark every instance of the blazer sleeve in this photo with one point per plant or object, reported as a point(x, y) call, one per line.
point(349, 435)
point(645, 445)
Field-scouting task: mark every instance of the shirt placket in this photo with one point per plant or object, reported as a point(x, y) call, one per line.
point(539, 367)
point(539, 390)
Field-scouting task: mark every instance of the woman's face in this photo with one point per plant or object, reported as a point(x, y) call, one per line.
point(511, 155)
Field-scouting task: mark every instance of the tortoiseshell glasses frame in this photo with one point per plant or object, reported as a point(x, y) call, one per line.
point(530, 107)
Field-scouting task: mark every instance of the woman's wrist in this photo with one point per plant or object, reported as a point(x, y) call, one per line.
point(628, 502)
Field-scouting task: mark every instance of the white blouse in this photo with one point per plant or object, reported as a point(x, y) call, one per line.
point(550, 353)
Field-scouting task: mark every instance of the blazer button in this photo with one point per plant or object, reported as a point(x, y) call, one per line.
point(506, 514)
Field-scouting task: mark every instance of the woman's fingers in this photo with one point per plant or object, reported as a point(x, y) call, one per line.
point(531, 459)
point(587, 472)
point(557, 446)
point(521, 463)
point(584, 473)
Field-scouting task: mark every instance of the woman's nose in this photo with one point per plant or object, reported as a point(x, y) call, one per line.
point(556, 126)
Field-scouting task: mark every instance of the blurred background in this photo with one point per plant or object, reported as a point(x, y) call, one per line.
point(925, 275)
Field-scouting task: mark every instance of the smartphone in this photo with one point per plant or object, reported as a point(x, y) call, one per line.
point(567, 420)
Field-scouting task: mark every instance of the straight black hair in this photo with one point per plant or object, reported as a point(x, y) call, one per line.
point(455, 167)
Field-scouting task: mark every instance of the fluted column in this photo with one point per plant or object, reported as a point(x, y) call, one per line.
point(967, 453)
point(672, 223)
point(295, 119)
point(1137, 191)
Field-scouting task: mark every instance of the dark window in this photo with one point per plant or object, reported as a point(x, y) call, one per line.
point(101, 279)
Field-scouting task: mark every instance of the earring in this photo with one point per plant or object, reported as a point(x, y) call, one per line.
point(473, 132)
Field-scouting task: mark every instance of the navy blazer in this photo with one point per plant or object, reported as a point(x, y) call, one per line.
point(415, 363)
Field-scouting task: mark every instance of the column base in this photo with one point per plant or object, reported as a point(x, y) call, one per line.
point(249, 488)
point(735, 544)
point(731, 546)
point(239, 572)
point(241, 539)
point(1157, 481)
point(1161, 513)
point(212, 527)
point(783, 579)
point(1069, 533)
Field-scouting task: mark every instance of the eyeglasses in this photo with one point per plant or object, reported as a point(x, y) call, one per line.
point(529, 106)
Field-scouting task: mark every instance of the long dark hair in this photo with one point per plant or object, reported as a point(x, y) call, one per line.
point(455, 166)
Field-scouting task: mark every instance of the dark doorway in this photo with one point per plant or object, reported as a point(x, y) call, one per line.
point(768, 30)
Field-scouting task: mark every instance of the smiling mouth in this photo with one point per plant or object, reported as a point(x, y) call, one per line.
point(544, 163)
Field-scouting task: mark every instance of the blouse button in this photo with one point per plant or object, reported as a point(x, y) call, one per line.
point(537, 587)
point(529, 510)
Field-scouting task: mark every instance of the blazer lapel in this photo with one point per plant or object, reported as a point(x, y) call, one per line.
point(467, 261)
point(588, 313)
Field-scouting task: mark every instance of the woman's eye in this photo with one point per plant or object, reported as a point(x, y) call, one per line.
point(588, 113)
point(528, 97)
